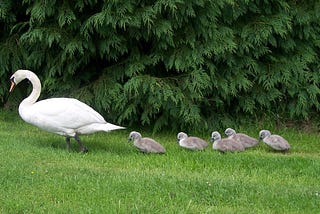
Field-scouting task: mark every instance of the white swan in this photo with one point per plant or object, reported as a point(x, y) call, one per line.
point(64, 116)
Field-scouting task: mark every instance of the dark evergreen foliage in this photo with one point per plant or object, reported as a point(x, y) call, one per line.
point(183, 64)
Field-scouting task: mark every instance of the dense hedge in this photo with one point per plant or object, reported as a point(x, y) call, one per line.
point(181, 64)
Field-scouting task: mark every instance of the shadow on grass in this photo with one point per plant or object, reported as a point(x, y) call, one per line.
point(93, 145)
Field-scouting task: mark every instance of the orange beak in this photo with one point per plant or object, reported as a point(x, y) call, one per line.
point(12, 86)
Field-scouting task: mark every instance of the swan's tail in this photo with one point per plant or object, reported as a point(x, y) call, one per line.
point(96, 127)
point(109, 127)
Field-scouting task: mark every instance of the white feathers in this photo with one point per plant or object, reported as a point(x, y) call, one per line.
point(64, 116)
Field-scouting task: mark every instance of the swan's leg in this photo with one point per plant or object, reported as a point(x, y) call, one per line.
point(68, 143)
point(83, 148)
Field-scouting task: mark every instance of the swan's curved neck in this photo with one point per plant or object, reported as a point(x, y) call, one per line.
point(36, 89)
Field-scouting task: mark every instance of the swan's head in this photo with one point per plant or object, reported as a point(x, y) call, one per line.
point(229, 132)
point(134, 135)
point(181, 135)
point(18, 76)
point(263, 134)
point(215, 136)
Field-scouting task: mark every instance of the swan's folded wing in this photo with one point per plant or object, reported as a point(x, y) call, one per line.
point(66, 111)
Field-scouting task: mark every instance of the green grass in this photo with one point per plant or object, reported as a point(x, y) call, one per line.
point(38, 175)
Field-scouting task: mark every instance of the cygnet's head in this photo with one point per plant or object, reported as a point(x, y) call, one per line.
point(134, 135)
point(181, 135)
point(229, 132)
point(263, 134)
point(215, 136)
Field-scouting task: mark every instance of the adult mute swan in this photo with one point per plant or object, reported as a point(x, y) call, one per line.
point(64, 116)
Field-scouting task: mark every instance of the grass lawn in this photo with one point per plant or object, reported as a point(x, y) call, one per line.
point(38, 175)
